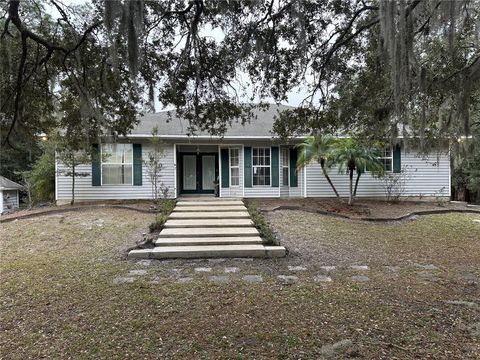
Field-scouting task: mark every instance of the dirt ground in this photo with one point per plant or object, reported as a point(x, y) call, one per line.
point(360, 208)
point(402, 290)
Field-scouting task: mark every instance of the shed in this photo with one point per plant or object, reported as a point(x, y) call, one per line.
point(9, 197)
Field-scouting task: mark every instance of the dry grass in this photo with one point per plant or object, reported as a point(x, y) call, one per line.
point(58, 299)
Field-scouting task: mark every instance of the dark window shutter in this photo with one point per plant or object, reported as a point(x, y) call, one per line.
point(225, 168)
point(397, 161)
point(96, 170)
point(275, 166)
point(137, 164)
point(248, 166)
point(293, 168)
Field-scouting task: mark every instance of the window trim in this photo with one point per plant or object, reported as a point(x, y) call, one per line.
point(287, 151)
point(102, 163)
point(230, 166)
point(381, 158)
point(262, 166)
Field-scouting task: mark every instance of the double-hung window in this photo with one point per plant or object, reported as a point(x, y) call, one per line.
point(234, 167)
point(387, 159)
point(261, 166)
point(117, 164)
point(285, 166)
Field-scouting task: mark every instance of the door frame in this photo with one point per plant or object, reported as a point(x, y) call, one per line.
point(199, 180)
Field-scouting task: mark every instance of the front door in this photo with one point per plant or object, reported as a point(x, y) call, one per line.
point(198, 172)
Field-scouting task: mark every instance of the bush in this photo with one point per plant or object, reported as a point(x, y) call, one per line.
point(259, 222)
point(165, 207)
point(157, 225)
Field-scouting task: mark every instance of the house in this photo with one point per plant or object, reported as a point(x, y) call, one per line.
point(247, 162)
point(9, 197)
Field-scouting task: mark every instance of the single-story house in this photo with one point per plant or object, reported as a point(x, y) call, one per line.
point(9, 197)
point(247, 162)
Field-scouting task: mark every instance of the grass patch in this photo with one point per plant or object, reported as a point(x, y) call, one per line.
point(266, 233)
point(165, 207)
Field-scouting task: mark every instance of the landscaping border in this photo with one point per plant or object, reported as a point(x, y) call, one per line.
point(400, 218)
point(76, 208)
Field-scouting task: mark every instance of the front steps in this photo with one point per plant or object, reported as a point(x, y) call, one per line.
point(209, 228)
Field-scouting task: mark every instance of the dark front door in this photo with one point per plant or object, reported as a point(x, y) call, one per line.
point(198, 172)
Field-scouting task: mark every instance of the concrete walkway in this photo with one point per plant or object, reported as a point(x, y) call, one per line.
point(209, 228)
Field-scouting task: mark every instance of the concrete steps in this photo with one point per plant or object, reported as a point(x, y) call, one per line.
point(216, 208)
point(210, 215)
point(195, 223)
point(209, 228)
point(209, 251)
point(219, 240)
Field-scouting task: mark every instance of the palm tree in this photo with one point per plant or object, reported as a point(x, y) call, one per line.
point(318, 148)
point(350, 156)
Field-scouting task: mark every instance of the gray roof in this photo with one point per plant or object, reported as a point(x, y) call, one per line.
point(170, 125)
point(6, 184)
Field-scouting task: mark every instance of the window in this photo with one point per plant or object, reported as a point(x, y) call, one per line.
point(117, 164)
point(234, 167)
point(387, 159)
point(285, 165)
point(261, 166)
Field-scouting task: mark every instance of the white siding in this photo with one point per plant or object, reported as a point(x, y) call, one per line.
point(85, 191)
point(429, 175)
point(10, 200)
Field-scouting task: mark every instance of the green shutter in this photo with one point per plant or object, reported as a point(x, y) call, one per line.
point(225, 168)
point(397, 161)
point(293, 168)
point(96, 170)
point(275, 166)
point(137, 164)
point(248, 166)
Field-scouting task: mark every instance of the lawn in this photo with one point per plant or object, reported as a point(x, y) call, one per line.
point(68, 292)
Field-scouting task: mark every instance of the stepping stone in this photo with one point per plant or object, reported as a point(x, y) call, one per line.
point(123, 280)
point(287, 279)
point(218, 240)
point(297, 268)
point(203, 269)
point(208, 232)
point(426, 267)
point(184, 280)
point(144, 262)
point(253, 279)
point(393, 269)
point(216, 261)
point(322, 278)
point(360, 278)
point(203, 223)
point(328, 268)
point(219, 279)
point(232, 270)
point(359, 267)
point(137, 272)
point(210, 215)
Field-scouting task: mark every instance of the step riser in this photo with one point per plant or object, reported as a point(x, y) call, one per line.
point(210, 203)
point(189, 253)
point(209, 208)
point(166, 242)
point(203, 223)
point(205, 215)
point(189, 226)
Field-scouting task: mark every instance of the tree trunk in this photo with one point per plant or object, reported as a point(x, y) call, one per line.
point(73, 185)
point(356, 184)
point(350, 199)
point(322, 164)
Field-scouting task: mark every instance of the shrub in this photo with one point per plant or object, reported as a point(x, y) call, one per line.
point(262, 226)
point(157, 225)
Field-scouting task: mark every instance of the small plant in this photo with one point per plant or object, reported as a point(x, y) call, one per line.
point(440, 197)
point(165, 207)
point(261, 225)
point(394, 184)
